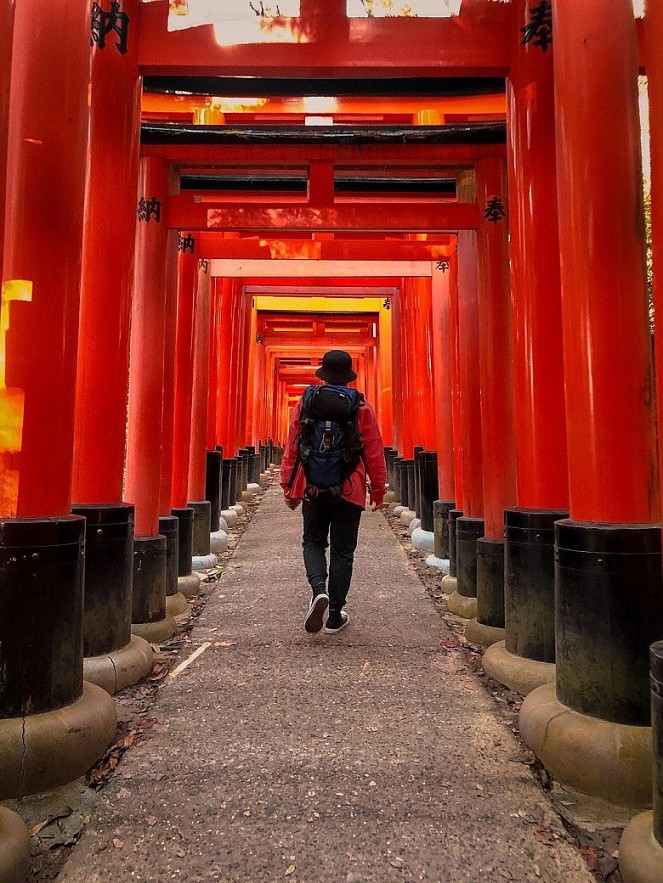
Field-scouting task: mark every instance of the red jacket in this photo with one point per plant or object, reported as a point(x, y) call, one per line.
point(354, 489)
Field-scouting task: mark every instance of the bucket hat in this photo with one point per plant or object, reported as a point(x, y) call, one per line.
point(336, 368)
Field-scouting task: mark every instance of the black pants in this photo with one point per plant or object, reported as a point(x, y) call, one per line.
point(329, 518)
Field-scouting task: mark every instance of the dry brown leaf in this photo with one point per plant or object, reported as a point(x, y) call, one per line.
point(290, 870)
point(152, 820)
point(117, 843)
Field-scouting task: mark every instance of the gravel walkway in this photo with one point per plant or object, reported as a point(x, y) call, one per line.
point(371, 755)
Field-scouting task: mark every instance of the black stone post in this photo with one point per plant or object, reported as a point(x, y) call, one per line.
point(149, 580)
point(454, 515)
point(398, 494)
point(169, 526)
point(41, 614)
point(656, 682)
point(529, 587)
point(185, 539)
point(226, 483)
point(490, 582)
point(441, 509)
point(213, 486)
point(201, 527)
point(608, 611)
point(109, 547)
point(418, 451)
point(411, 488)
point(428, 489)
point(468, 531)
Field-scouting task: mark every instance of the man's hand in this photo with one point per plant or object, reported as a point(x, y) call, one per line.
point(292, 504)
point(377, 497)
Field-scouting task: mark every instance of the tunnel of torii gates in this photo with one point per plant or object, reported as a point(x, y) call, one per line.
point(462, 212)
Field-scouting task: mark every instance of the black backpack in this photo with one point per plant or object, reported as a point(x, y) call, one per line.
point(330, 447)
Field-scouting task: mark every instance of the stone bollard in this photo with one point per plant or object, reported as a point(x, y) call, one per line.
point(14, 848)
point(428, 489)
point(53, 725)
point(450, 582)
point(411, 486)
point(213, 487)
point(227, 478)
point(441, 509)
point(526, 658)
point(417, 456)
point(149, 617)
point(113, 657)
point(188, 582)
point(176, 606)
point(398, 463)
point(591, 729)
point(641, 846)
point(463, 602)
point(203, 558)
point(488, 627)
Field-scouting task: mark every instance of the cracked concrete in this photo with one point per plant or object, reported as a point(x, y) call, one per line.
point(371, 755)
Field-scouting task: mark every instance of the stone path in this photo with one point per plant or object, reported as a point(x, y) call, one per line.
point(372, 755)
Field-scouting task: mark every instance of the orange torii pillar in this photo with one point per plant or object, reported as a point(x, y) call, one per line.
point(6, 39)
point(385, 375)
point(608, 598)
point(114, 658)
point(187, 275)
point(203, 557)
point(146, 403)
point(467, 432)
point(641, 846)
point(394, 305)
point(526, 659)
point(46, 709)
point(442, 380)
point(496, 370)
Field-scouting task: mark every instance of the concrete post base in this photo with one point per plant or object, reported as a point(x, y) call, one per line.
point(43, 751)
point(462, 605)
point(230, 517)
point(204, 562)
point(239, 507)
point(247, 496)
point(516, 672)
point(264, 477)
point(155, 632)
point(423, 540)
point(415, 524)
point(14, 848)
point(603, 759)
point(449, 584)
point(389, 497)
point(189, 585)
point(640, 853)
point(176, 606)
point(121, 668)
point(223, 525)
point(406, 516)
point(253, 487)
point(218, 542)
point(439, 563)
point(486, 635)
point(397, 509)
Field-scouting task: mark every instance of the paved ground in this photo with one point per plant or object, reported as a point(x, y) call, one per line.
point(372, 755)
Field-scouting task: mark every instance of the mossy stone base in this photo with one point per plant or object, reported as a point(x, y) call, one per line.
point(189, 585)
point(230, 517)
point(155, 632)
point(176, 606)
point(449, 584)
point(389, 497)
point(486, 635)
point(407, 516)
point(14, 848)
point(121, 668)
point(603, 759)
point(640, 853)
point(43, 751)
point(462, 605)
point(516, 672)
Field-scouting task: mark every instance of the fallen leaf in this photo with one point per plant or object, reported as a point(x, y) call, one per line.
point(537, 871)
point(225, 643)
point(118, 844)
point(66, 812)
point(152, 820)
point(290, 870)
point(180, 853)
point(590, 856)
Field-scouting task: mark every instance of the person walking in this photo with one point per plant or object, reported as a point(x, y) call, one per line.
point(334, 444)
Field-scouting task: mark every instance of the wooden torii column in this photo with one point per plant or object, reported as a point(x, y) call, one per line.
point(609, 604)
